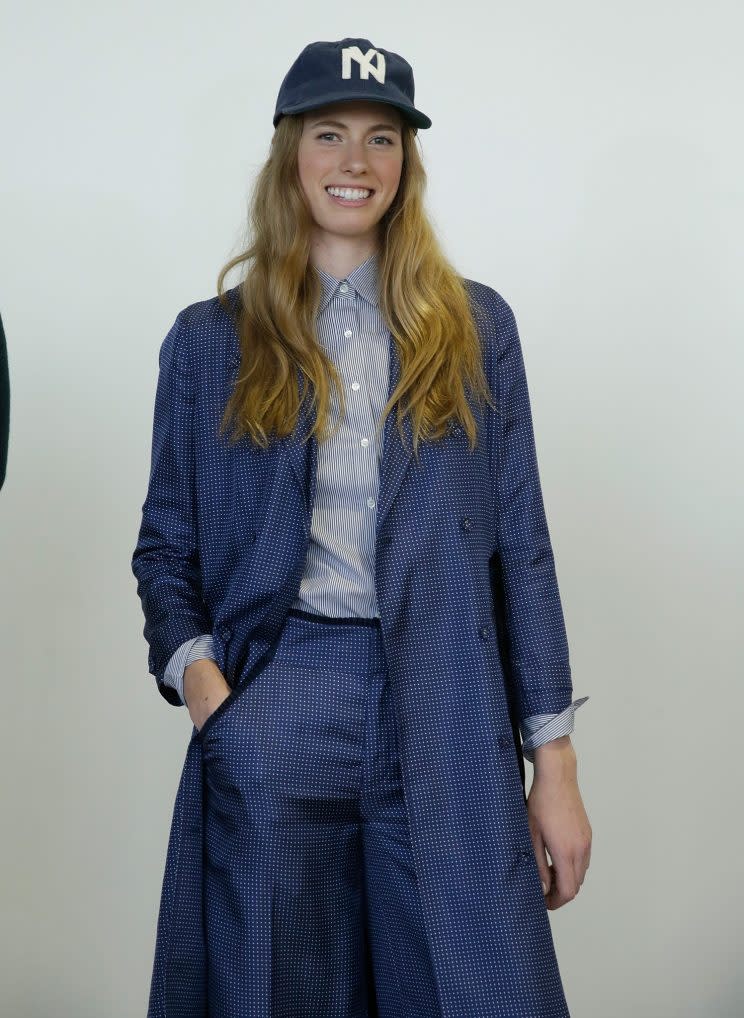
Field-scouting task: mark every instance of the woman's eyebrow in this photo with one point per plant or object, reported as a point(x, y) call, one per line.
point(338, 123)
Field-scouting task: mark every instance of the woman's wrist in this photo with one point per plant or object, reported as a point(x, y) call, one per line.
point(202, 679)
point(555, 757)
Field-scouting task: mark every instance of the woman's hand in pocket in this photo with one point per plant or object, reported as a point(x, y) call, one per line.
point(204, 689)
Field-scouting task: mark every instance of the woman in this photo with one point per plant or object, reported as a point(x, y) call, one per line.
point(358, 607)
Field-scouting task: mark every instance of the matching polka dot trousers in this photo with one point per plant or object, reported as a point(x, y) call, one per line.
point(311, 905)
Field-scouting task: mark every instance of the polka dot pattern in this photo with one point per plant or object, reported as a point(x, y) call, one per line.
point(222, 551)
point(310, 884)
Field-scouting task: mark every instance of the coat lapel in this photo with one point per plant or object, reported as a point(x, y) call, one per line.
point(302, 454)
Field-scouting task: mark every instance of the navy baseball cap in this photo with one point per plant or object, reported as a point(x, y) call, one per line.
point(329, 72)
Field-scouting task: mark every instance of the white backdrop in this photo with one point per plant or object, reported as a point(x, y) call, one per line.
point(585, 160)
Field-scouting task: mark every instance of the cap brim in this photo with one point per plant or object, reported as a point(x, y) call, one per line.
point(412, 115)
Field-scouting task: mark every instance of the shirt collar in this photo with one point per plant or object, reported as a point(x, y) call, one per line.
point(364, 279)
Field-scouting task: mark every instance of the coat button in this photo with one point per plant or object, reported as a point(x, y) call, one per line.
point(225, 632)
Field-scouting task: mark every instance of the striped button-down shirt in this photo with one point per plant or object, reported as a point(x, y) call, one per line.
point(338, 579)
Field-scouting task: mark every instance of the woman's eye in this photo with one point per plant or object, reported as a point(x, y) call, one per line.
point(332, 134)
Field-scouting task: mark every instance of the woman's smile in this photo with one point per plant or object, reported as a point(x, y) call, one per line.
point(351, 196)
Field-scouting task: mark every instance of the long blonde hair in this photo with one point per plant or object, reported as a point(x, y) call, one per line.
point(422, 298)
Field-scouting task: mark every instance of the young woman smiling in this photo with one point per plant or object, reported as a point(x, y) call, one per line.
point(354, 595)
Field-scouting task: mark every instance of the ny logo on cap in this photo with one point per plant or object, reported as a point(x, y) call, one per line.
point(349, 53)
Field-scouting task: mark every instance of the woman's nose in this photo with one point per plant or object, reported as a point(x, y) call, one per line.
point(354, 156)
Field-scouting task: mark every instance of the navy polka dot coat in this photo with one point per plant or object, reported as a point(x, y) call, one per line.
point(473, 629)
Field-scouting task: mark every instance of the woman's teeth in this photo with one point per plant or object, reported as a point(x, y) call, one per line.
point(349, 193)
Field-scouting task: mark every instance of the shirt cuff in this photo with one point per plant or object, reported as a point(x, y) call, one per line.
point(541, 728)
point(190, 650)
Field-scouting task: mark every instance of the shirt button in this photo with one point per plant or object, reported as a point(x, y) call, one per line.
point(355, 386)
point(348, 333)
point(365, 442)
point(344, 287)
point(370, 502)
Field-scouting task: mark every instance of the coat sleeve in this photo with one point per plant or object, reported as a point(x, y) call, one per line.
point(538, 658)
point(166, 559)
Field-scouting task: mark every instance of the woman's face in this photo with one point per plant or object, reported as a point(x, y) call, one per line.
point(350, 145)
